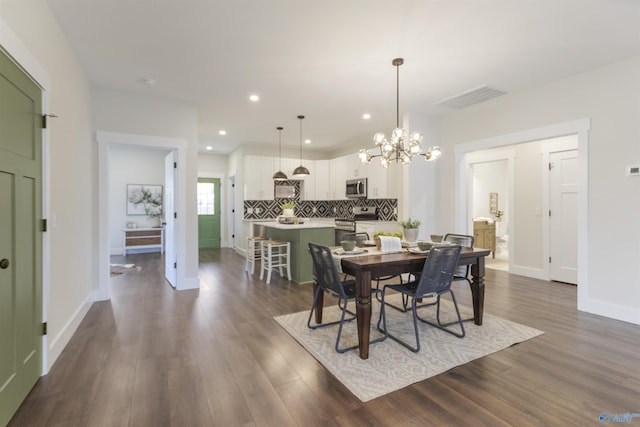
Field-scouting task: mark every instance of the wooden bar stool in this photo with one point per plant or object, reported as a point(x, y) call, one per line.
point(254, 252)
point(275, 254)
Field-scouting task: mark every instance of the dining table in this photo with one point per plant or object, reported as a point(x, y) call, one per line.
point(373, 263)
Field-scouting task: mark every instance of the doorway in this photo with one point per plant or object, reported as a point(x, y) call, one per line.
point(106, 140)
point(208, 199)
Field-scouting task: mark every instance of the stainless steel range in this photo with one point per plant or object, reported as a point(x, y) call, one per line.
point(348, 225)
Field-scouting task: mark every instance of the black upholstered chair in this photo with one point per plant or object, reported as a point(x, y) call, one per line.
point(328, 280)
point(435, 281)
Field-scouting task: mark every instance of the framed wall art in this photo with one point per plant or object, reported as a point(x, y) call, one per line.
point(144, 199)
point(493, 202)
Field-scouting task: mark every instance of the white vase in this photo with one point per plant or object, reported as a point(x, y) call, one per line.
point(287, 212)
point(410, 234)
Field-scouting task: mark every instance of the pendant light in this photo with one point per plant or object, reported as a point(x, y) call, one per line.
point(301, 171)
point(279, 176)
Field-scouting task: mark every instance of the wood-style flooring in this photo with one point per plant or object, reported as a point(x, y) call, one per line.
point(153, 356)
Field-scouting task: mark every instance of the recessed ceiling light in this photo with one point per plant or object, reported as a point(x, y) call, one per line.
point(222, 132)
point(254, 98)
point(366, 116)
point(209, 147)
point(307, 141)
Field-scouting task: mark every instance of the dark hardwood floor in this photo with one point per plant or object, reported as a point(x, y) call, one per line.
point(215, 357)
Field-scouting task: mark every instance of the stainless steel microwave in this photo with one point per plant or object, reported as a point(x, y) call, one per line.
point(356, 188)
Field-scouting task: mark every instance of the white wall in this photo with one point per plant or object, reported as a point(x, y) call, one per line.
point(610, 98)
point(489, 177)
point(30, 33)
point(129, 165)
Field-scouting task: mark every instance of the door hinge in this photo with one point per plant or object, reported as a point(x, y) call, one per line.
point(175, 215)
point(44, 119)
point(44, 225)
point(549, 260)
point(44, 328)
point(549, 212)
point(550, 165)
point(233, 236)
point(175, 165)
point(175, 265)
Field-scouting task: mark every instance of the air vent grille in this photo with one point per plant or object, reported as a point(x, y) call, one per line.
point(471, 97)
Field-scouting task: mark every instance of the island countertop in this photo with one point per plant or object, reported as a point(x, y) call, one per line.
point(305, 225)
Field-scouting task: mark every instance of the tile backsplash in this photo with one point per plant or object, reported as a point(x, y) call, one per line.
point(265, 209)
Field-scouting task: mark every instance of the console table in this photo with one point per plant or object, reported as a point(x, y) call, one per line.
point(142, 238)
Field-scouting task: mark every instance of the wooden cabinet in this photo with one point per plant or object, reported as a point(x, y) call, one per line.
point(142, 238)
point(484, 235)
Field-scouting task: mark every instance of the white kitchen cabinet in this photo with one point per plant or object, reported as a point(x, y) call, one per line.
point(258, 177)
point(309, 182)
point(322, 180)
point(376, 181)
point(338, 172)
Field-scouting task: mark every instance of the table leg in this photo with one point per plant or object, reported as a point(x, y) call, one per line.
point(319, 303)
point(477, 290)
point(363, 311)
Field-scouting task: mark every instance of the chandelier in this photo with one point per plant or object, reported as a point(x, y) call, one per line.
point(400, 147)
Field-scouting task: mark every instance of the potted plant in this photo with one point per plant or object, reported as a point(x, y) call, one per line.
point(498, 215)
point(287, 208)
point(410, 229)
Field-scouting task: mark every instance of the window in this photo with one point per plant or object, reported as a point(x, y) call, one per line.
point(206, 198)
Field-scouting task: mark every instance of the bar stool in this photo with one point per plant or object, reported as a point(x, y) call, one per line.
point(275, 254)
point(254, 252)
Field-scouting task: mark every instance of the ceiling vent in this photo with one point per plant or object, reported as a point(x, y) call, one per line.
point(471, 97)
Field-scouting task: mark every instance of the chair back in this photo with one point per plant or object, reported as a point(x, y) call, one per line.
point(465, 241)
point(438, 269)
point(325, 270)
point(459, 239)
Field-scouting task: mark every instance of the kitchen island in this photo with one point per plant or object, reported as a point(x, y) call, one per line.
point(321, 232)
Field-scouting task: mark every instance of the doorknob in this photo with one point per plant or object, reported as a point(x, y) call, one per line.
point(4, 263)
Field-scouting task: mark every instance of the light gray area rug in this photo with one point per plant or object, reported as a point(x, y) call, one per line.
point(391, 366)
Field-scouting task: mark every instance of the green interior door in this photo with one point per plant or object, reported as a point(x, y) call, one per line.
point(208, 212)
point(20, 236)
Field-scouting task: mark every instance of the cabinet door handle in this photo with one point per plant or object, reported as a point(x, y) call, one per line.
point(4, 263)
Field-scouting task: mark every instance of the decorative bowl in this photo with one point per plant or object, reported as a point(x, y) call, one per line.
point(348, 245)
point(423, 245)
point(436, 238)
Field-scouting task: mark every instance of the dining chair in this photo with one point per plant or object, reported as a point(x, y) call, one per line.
point(435, 281)
point(466, 241)
point(328, 280)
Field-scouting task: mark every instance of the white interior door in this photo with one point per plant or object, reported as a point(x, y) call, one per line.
point(563, 216)
point(170, 255)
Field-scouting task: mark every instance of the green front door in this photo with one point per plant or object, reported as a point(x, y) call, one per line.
point(208, 212)
point(20, 236)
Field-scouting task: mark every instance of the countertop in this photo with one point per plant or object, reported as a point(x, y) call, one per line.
point(304, 225)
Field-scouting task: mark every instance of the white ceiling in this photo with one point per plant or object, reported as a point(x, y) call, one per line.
point(331, 59)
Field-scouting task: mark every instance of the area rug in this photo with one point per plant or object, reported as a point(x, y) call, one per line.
point(391, 366)
point(120, 269)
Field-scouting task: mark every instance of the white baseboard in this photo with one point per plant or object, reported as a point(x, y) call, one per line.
point(534, 273)
point(60, 341)
point(191, 283)
point(613, 311)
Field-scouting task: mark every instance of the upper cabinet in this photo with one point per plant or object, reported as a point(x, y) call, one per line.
point(258, 177)
point(338, 173)
point(322, 180)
